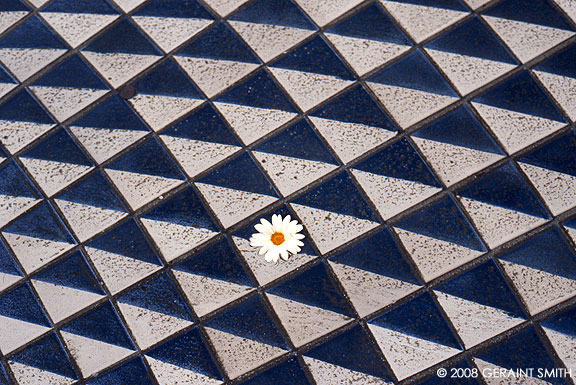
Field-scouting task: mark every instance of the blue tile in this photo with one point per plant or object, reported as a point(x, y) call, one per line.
point(8, 264)
point(540, 12)
point(13, 6)
point(275, 12)
point(24, 107)
point(21, 303)
point(560, 64)
point(101, 7)
point(58, 147)
point(133, 372)
point(75, 73)
point(123, 37)
point(14, 182)
point(174, 8)
point(5, 77)
point(113, 113)
point(564, 322)
point(558, 155)
point(456, 5)
point(33, 33)
point(93, 190)
point(170, 80)
point(287, 373)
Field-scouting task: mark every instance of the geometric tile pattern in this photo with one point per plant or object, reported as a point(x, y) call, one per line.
point(428, 148)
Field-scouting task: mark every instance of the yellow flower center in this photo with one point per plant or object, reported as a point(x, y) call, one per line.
point(277, 238)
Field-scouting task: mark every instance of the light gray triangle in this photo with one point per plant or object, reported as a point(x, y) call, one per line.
point(6, 87)
point(168, 374)
point(309, 89)
point(252, 123)
point(38, 3)
point(150, 327)
point(25, 62)
point(408, 355)
point(214, 76)
point(571, 232)
point(76, 28)
point(569, 6)
point(29, 375)
point(117, 67)
point(564, 346)
point(350, 140)
point(391, 195)
point(498, 225)
point(231, 206)
point(325, 11)
point(435, 257)
point(330, 230)
point(527, 40)
point(453, 163)
point(490, 373)
point(15, 135)
point(325, 373)
point(305, 323)
point(290, 174)
point(61, 302)
point(33, 252)
point(225, 7)
point(409, 106)
point(15, 333)
point(557, 189)
point(369, 291)
point(516, 130)
point(562, 88)
point(63, 102)
point(12, 206)
point(207, 294)
point(118, 271)
point(365, 55)
point(240, 355)
point(411, 16)
point(170, 32)
point(86, 220)
point(159, 110)
point(269, 40)
point(196, 156)
point(468, 73)
point(103, 143)
point(475, 323)
point(9, 18)
point(128, 5)
point(266, 272)
point(140, 189)
point(539, 289)
point(475, 4)
point(53, 176)
point(7, 280)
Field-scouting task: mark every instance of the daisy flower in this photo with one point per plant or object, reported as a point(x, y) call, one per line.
point(278, 238)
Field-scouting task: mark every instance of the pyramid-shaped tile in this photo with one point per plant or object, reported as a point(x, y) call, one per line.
point(552, 170)
point(412, 89)
point(374, 273)
point(55, 162)
point(334, 213)
point(528, 27)
point(439, 238)
point(29, 48)
point(287, 373)
point(44, 362)
point(438, 15)
point(368, 39)
point(212, 278)
point(179, 224)
point(22, 318)
point(559, 77)
point(37, 237)
point(396, 178)
point(310, 305)
point(339, 360)
point(11, 11)
point(145, 173)
point(479, 304)
point(121, 53)
point(523, 350)
point(272, 27)
point(97, 339)
point(256, 107)
point(154, 311)
point(266, 272)
point(519, 121)
point(69, 88)
point(353, 124)
point(407, 334)
point(22, 120)
point(471, 56)
point(9, 271)
point(67, 287)
point(131, 372)
point(502, 205)
point(129, 5)
point(7, 83)
point(17, 194)
point(108, 129)
point(38, 3)
point(457, 146)
point(123, 256)
point(77, 21)
point(170, 23)
point(184, 359)
point(201, 140)
point(217, 59)
point(324, 12)
point(225, 7)
point(233, 199)
point(165, 95)
point(294, 158)
point(543, 270)
point(561, 331)
point(312, 73)
point(90, 206)
point(245, 337)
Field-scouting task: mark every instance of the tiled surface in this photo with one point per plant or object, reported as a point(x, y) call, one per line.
point(427, 146)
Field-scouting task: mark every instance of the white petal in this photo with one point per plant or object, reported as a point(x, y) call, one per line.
point(276, 222)
point(263, 229)
point(265, 248)
point(272, 255)
point(299, 236)
point(284, 254)
point(267, 226)
point(299, 228)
